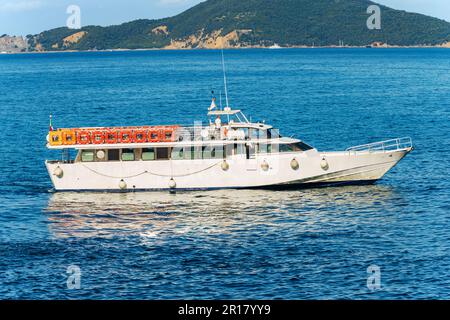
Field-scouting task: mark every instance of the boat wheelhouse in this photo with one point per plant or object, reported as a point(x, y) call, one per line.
point(228, 152)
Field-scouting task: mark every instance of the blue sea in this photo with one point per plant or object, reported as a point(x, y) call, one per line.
point(320, 243)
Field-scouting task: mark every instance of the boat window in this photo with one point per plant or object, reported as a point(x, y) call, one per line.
point(177, 153)
point(197, 153)
point(113, 155)
point(188, 153)
point(246, 133)
point(286, 147)
point(265, 148)
point(229, 150)
point(250, 150)
point(236, 134)
point(87, 156)
point(294, 147)
point(218, 152)
point(162, 153)
point(263, 134)
point(290, 147)
point(127, 155)
point(301, 146)
point(273, 134)
point(254, 134)
point(148, 154)
point(213, 152)
point(239, 149)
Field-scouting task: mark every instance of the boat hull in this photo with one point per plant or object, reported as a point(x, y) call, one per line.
point(265, 171)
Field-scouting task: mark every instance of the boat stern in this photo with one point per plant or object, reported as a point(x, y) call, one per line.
point(56, 171)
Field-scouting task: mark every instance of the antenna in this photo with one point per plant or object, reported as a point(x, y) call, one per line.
point(225, 79)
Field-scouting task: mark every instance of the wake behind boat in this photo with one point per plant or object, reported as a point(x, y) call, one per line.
point(229, 152)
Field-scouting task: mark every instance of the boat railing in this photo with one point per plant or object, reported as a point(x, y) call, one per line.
point(189, 133)
point(388, 145)
point(194, 133)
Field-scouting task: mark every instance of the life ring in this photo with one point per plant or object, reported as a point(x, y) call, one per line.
point(83, 137)
point(55, 138)
point(125, 136)
point(98, 137)
point(111, 137)
point(168, 134)
point(154, 135)
point(68, 137)
point(139, 136)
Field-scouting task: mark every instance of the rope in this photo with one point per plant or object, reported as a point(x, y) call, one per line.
point(152, 173)
point(113, 177)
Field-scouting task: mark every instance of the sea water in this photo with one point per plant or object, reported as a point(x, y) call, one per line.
point(390, 240)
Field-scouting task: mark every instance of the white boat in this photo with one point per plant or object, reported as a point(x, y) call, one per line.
point(228, 152)
point(275, 46)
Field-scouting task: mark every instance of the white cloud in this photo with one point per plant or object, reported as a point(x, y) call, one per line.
point(19, 6)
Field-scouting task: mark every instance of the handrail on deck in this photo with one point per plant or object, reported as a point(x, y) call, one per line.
point(388, 145)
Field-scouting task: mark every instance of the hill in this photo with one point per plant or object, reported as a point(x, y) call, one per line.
point(255, 23)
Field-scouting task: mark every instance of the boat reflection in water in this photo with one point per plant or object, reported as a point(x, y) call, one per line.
point(159, 215)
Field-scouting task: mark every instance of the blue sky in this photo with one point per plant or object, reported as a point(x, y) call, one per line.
point(21, 17)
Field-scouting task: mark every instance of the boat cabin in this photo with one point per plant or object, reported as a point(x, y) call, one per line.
point(228, 134)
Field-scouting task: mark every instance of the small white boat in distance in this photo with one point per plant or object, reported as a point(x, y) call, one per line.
point(275, 46)
point(229, 152)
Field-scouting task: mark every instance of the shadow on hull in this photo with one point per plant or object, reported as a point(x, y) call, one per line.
point(315, 185)
point(279, 187)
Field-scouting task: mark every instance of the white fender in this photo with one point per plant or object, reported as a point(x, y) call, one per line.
point(122, 185)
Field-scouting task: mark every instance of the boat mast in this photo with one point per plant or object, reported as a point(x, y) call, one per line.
point(225, 80)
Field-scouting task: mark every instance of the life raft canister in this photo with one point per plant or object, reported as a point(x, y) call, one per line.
point(125, 136)
point(68, 137)
point(55, 138)
point(83, 137)
point(98, 137)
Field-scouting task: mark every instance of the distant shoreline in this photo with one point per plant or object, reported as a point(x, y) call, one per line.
point(233, 48)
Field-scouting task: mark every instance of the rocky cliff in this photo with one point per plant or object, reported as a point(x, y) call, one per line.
point(13, 44)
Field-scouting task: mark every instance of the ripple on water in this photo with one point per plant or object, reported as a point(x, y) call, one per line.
point(233, 244)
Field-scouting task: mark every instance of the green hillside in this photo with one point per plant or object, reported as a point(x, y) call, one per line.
point(256, 23)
